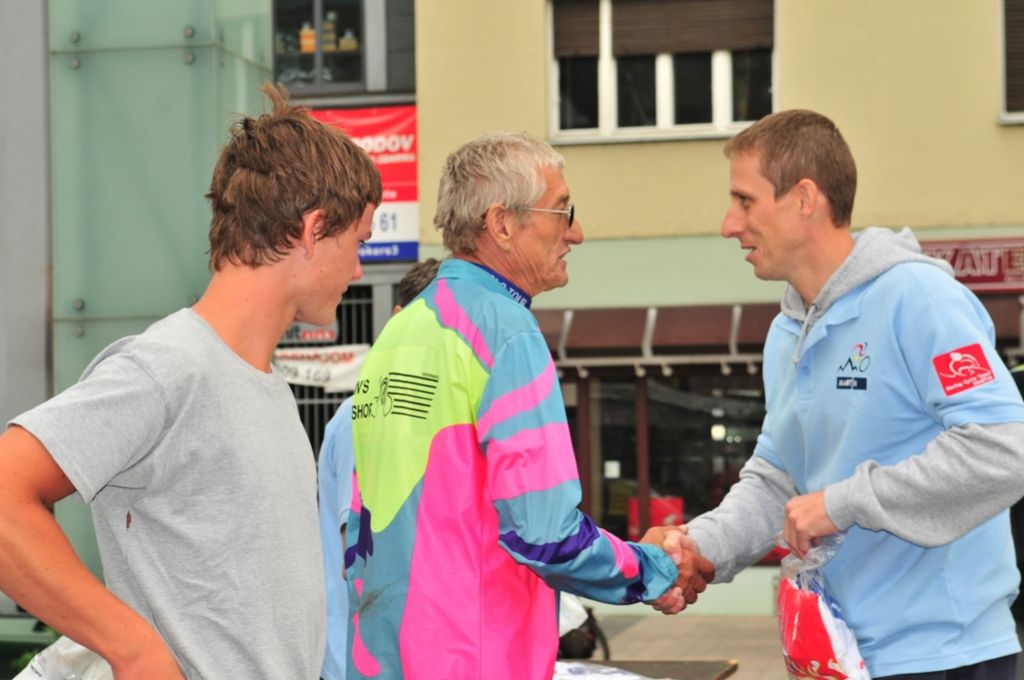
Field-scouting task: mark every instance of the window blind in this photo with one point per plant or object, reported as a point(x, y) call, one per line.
point(1014, 32)
point(642, 27)
point(576, 31)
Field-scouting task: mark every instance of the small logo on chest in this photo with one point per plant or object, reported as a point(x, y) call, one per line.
point(844, 383)
point(857, 363)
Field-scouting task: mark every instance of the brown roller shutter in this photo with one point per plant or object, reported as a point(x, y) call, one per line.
point(1014, 16)
point(576, 30)
point(678, 26)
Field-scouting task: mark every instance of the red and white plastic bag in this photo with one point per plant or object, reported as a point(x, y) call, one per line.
point(816, 641)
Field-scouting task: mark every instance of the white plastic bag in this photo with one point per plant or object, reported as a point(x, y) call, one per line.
point(816, 641)
point(571, 613)
point(65, 659)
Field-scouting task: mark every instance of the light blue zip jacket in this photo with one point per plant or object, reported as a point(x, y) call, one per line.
point(887, 393)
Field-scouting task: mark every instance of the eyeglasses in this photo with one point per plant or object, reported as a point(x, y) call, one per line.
point(571, 212)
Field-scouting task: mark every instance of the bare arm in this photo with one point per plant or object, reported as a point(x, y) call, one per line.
point(40, 570)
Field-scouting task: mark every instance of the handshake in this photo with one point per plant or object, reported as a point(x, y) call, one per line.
point(695, 572)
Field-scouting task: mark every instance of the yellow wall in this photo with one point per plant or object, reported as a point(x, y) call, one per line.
point(914, 85)
point(483, 64)
point(480, 65)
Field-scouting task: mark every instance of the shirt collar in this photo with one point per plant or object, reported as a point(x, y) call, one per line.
point(514, 291)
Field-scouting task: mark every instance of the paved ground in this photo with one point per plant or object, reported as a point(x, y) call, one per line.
point(753, 641)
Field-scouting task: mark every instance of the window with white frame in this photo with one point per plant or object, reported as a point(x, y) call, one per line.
point(1013, 57)
point(628, 67)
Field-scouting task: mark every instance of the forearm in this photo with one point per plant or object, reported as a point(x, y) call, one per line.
point(743, 528)
point(592, 563)
point(965, 476)
point(40, 571)
point(615, 584)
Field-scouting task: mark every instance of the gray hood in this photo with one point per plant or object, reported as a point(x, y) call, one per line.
point(875, 251)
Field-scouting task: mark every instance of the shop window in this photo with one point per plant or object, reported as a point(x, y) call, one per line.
point(344, 46)
point(613, 449)
point(678, 66)
point(701, 428)
point(1013, 57)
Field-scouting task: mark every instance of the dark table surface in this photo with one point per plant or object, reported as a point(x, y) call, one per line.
point(677, 670)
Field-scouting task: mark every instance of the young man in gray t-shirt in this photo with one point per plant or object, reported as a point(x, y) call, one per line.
point(189, 448)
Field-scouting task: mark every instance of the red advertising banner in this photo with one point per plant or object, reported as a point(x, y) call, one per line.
point(983, 265)
point(388, 134)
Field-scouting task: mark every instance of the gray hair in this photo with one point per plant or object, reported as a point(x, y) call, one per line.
point(496, 167)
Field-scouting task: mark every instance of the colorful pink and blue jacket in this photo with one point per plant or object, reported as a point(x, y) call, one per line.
point(466, 520)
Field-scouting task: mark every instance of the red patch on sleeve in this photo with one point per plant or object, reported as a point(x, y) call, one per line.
point(962, 369)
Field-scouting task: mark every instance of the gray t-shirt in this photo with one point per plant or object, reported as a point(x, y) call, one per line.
point(202, 486)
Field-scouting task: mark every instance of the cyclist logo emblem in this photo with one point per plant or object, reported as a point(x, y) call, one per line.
point(858, 362)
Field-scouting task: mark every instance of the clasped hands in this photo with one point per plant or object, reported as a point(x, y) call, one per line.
point(695, 571)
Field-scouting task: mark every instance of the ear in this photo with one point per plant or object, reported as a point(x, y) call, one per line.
point(809, 197)
point(498, 223)
point(312, 224)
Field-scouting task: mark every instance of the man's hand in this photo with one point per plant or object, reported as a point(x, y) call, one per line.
point(695, 572)
point(806, 521)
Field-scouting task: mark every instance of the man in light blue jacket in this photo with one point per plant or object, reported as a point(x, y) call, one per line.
point(890, 416)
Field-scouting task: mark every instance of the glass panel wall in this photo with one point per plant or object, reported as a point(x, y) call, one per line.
point(141, 94)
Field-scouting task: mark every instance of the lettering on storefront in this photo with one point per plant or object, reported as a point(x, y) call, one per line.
point(995, 265)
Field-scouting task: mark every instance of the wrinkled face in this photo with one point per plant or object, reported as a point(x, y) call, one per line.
point(543, 239)
point(766, 227)
point(335, 264)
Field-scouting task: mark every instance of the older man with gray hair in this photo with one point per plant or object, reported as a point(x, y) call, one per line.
point(468, 483)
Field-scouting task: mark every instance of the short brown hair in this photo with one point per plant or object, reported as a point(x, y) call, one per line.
point(274, 170)
point(799, 144)
point(415, 280)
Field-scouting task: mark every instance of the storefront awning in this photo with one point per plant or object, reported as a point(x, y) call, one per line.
point(728, 335)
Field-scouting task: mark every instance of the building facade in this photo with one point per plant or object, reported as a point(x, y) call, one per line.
point(122, 106)
point(658, 332)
